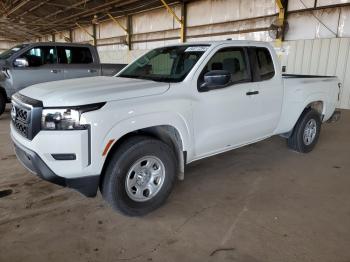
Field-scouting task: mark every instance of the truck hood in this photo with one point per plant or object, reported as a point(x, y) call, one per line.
point(89, 90)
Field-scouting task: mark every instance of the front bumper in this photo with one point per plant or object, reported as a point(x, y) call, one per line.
point(86, 185)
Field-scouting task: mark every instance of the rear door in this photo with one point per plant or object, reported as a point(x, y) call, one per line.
point(270, 89)
point(77, 62)
point(42, 67)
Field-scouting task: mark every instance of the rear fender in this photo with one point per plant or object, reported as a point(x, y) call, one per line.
point(294, 109)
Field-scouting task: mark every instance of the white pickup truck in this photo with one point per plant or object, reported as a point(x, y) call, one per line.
point(131, 135)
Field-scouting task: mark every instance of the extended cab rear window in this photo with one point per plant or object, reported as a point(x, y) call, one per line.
point(264, 63)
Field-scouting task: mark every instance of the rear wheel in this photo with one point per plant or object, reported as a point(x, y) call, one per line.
point(306, 132)
point(139, 176)
point(2, 103)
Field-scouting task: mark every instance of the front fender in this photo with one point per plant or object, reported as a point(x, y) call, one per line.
point(135, 123)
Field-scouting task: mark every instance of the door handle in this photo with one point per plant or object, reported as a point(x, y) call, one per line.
point(55, 71)
point(92, 70)
point(252, 93)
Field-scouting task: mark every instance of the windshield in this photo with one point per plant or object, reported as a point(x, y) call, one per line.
point(8, 53)
point(166, 64)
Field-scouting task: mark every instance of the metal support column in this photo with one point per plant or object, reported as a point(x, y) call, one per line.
point(129, 28)
point(86, 31)
point(126, 29)
point(184, 21)
point(180, 21)
point(281, 17)
point(70, 36)
point(94, 32)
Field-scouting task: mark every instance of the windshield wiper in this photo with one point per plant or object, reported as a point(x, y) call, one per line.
point(156, 79)
point(130, 76)
point(160, 79)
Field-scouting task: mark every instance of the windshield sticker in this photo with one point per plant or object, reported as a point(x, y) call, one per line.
point(197, 49)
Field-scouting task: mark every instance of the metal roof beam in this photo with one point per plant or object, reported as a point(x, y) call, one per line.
point(17, 7)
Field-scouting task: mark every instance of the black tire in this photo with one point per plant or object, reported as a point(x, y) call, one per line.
point(113, 186)
point(296, 141)
point(2, 103)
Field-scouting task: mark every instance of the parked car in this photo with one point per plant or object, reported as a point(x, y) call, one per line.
point(28, 64)
point(132, 135)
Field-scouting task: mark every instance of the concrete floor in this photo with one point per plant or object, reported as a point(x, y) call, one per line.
point(258, 203)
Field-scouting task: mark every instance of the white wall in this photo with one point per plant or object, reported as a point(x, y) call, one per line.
point(307, 25)
point(311, 47)
point(203, 17)
point(330, 56)
point(4, 45)
point(316, 43)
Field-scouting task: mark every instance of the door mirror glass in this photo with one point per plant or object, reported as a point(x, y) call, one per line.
point(216, 79)
point(21, 62)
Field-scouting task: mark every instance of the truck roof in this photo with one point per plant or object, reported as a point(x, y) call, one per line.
point(216, 43)
point(58, 43)
point(211, 43)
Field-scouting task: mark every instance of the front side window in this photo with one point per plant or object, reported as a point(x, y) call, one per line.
point(264, 63)
point(74, 55)
point(167, 64)
point(232, 60)
point(41, 55)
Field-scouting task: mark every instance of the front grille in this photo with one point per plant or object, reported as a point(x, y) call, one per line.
point(26, 115)
point(21, 118)
point(23, 115)
point(22, 129)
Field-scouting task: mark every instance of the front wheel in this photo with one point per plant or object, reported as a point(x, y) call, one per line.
point(306, 132)
point(139, 176)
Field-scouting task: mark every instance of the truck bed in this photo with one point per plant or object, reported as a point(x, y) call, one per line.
point(300, 90)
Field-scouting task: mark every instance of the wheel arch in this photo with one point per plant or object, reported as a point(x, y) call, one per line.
point(319, 106)
point(169, 134)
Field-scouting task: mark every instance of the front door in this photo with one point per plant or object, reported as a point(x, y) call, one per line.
point(270, 88)
point(42, 67)
point(227, 117)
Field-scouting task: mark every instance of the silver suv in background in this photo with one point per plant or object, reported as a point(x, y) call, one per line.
point(28, 64)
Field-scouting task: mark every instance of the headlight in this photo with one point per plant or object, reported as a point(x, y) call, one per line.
point(61, 119)
point(67, 118)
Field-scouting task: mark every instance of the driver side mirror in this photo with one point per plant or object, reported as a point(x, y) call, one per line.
point(215, 79)
point(21, 62)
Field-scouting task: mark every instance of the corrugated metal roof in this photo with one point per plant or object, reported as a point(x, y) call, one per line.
point(23, 20)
